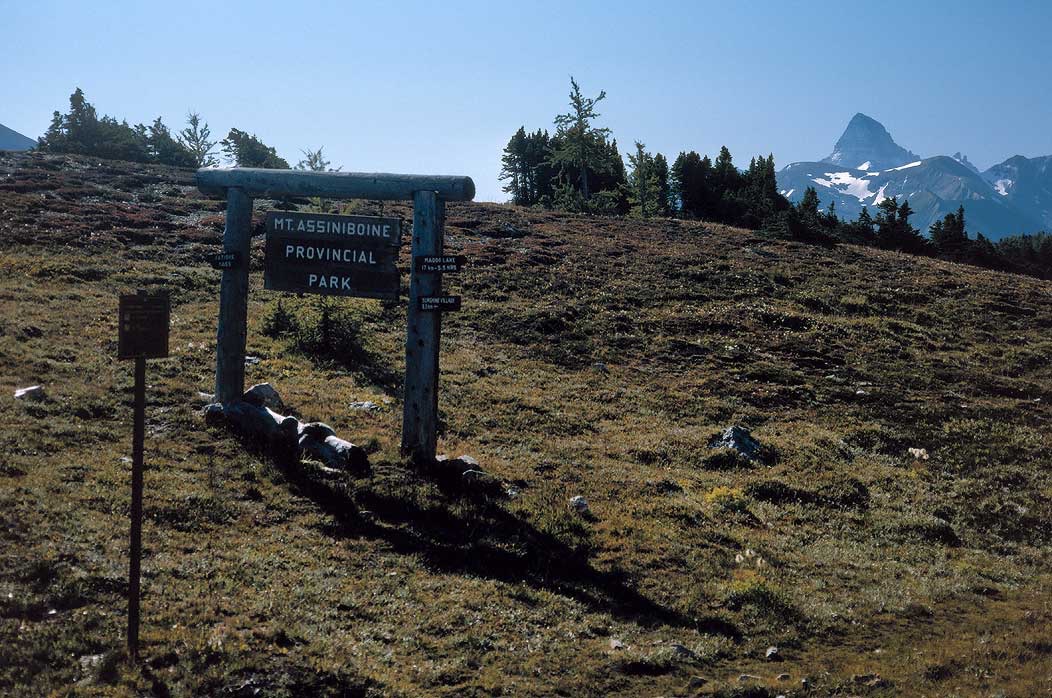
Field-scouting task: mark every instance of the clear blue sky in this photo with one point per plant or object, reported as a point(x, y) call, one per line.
point(429, 87)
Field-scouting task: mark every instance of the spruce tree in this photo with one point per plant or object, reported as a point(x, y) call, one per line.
point(639, 179)
point(581, 144)
point(662, 192)
point(197, 139)
point(246, 150)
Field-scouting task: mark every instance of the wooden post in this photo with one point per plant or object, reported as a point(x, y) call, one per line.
point(134, 567)
point(233, 299)
point(420, 416)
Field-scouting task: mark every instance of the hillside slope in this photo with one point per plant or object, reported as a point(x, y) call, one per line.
point(595, 357)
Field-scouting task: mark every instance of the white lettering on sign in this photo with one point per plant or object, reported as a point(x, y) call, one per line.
point(333, 227)
point(344, 283)
point(329, 254)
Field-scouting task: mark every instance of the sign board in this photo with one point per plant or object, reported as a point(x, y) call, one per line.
point(143, 325)
point(332, 255)
point(439, 303)
point(433, 264)
point(223, 260)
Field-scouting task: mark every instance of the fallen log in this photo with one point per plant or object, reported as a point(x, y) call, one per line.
point(285, 438)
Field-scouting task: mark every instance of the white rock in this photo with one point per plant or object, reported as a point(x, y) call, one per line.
point(366, 406)
point(579, 504)
point(33, 392)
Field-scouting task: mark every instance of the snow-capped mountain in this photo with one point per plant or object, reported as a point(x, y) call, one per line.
point(13, 140)
point(867, 145)
point(867, 166)
point(1026, 183)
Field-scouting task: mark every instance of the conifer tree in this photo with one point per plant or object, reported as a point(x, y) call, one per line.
point(948, 235)
point(166, 150)
point(197, 139)
point(662, 192)
point(689, 184)
point(246, 150)
point(640, 178)
point(808, 206)
point(315, 161)
point(581, 144)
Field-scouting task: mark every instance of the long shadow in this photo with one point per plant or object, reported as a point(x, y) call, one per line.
point(466, 532)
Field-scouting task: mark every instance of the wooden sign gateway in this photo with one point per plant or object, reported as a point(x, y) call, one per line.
point(332, 255)
point(346, 256)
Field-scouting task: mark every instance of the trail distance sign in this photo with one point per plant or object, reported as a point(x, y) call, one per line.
point(433, 264)
point(223, 260)
point(434, 304)
point(332, 255)
point(143, 325)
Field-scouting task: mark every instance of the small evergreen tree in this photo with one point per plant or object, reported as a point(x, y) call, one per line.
point(948, 235)
point(246, 150)
point(640, 179)
point(164, 149)
point(197, 139)
point(662, 191)
point(315, 161)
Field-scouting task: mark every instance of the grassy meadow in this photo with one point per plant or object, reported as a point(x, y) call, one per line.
point(594, 356)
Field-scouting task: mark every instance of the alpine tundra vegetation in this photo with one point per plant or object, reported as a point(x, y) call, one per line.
point(700, 460)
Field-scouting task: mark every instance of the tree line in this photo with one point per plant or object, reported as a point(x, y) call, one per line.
point(82, 131)
point(578, 168)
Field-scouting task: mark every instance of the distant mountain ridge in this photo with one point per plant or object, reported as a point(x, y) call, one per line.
point(13, 140)
point(868, 166)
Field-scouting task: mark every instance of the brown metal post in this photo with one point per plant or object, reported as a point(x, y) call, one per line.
point(138, 436)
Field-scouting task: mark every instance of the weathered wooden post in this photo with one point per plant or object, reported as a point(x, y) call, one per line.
point(233, 299)
point(420, 409)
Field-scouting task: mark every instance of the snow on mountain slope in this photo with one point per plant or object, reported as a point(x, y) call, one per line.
point(867, 166)
point(1026, 184)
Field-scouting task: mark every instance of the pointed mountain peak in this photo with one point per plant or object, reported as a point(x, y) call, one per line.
point(867, 145)
point(13, 140)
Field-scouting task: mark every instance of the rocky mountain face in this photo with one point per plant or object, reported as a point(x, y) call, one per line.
point(867, 166)
point(867, 145)
point(13, 140)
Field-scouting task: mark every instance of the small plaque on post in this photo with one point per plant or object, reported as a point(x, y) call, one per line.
point(439, 303)
point(143, 325)
point(433, 264)
point(223, 260)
